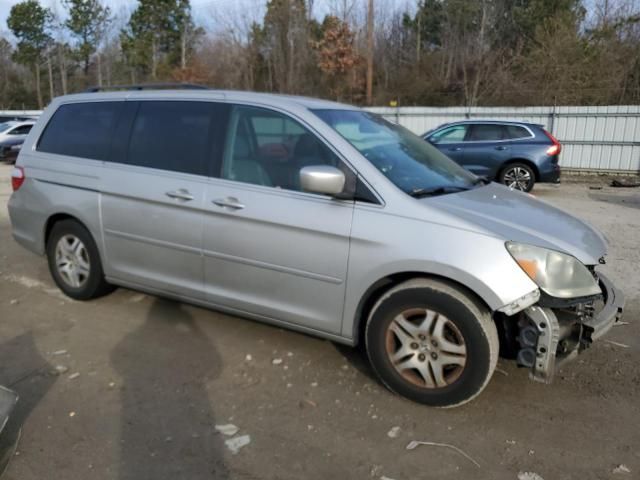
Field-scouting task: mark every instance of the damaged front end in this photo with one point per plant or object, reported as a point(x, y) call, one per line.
point(553, 331)
point(8, 400)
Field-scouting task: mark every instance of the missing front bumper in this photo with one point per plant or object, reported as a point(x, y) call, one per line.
point(548, 338)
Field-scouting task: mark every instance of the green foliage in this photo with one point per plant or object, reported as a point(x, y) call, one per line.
point(30, 23)
point(87, 22)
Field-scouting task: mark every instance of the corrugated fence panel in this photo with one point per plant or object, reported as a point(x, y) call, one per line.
point(594, 139)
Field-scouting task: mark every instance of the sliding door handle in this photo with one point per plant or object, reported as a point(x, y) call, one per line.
point(180, 194)
point(229, 202)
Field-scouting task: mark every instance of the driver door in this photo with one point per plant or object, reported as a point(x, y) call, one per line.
point(450, 141)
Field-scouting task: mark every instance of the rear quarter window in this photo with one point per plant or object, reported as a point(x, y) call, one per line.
point(515, 131)
point(81, 130)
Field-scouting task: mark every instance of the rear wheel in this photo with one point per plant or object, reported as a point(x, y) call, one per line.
point(519, 176)
point(74, 261)
point(432, 343)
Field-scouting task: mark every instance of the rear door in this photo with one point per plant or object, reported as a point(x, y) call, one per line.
point(153, 194)
point(450, 141)
point(270, 249)
point(486, 148)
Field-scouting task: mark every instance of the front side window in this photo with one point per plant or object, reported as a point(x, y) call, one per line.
point(268, 148)
point(413, 165)
point(453, 134)
point(171, 135)
point(486, 132)
point(81, 130)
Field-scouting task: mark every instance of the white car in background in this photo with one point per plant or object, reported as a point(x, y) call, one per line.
point(15, 129)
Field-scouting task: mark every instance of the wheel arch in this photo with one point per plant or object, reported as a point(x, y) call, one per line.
point(382, 285)
point(526, 161)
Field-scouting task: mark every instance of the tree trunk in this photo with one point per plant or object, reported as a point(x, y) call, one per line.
point(370, 53)
point(50, 72)
point(183, 49)
point(99, 58)
point(38, 89)
point(63, 69)
point(154, 58)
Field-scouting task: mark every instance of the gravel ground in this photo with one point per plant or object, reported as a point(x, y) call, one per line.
point(145, 380)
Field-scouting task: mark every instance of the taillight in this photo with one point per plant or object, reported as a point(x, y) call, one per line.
point(17, 178)
point(556, 147)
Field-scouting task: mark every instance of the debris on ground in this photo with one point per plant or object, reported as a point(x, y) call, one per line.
point(594, 187)
point(503, 372)
point(529, 476)
point(622, 469)
point(229, 429)
point(384, 477)
point(61, 370)
point(73, 376)
point(619, 324)
point(394, 432)
point(306, 401)
point(617, 344)
point(289, 354)
point(415, 443)
point(72, 414)
point(14, 301)
point(625, 183)
point(511, 442)
point(314, 384)
point(137, 298)
point(248, 358)
point(276, 361)
point(236, 443)
point(112, 384)
point(59, 352)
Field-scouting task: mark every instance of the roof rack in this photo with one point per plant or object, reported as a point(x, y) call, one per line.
point(149, 86)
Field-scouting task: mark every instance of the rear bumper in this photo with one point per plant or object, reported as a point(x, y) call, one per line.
point(551, 174)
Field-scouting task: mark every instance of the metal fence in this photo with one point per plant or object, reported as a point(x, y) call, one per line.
point(594, 139)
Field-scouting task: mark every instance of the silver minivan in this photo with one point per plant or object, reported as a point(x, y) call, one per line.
point(316, 216)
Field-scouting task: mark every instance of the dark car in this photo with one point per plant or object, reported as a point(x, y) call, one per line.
point(9, 149)
point(517, 154)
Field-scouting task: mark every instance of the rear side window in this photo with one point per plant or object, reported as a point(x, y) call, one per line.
point(486, 132)
point(23, 130)
point(81, 130)
point(171, 135)
point(516, 131)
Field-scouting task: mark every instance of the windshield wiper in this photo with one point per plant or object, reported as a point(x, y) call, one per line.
point(481, 180)
point(428, 192)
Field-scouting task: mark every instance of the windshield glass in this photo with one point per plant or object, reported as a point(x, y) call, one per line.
point(408, 161)
point(4, 126)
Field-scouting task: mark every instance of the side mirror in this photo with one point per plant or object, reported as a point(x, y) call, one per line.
point(322, 179)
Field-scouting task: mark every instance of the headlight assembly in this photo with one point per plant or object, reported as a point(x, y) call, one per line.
point(557, 274)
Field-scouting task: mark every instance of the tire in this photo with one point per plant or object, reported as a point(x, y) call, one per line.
point(457, 322)
point(74, 261)
point(519, 176)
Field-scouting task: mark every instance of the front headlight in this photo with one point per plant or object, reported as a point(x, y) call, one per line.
point(558, 274)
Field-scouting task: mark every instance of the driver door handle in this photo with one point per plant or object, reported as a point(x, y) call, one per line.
point(455, 149)
point(228, 202)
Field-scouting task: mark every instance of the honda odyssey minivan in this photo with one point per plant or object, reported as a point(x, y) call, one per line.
point(316, 216)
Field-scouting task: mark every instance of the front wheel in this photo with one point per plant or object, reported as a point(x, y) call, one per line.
point(519, 176)
point(432, 343)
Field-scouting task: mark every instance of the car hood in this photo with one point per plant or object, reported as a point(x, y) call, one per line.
point(520, 217)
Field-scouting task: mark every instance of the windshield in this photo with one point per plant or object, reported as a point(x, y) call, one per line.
point(412, 164)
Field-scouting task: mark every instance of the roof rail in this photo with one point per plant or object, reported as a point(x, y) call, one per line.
point(148, 86)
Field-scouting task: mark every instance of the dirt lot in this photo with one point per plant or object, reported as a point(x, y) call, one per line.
point(156, 376)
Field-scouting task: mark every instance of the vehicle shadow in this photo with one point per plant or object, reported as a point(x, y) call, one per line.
point(167, 419)
point(25, 371)
point(357, 358)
